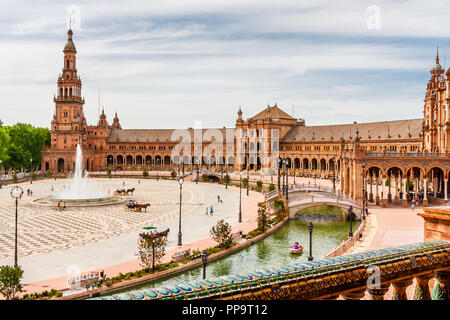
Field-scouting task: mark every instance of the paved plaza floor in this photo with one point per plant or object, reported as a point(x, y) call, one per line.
point(51, 243)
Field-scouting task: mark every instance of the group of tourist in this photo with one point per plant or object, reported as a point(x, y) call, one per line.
point(209, 210)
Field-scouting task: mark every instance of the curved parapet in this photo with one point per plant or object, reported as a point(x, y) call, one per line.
point(309, 280)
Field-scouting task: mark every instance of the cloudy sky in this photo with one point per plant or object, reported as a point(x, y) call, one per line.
point(167, 64)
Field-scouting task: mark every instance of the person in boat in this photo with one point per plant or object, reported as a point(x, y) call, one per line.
point(296, 246)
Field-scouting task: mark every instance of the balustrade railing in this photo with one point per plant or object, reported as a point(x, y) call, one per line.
point(349, 276)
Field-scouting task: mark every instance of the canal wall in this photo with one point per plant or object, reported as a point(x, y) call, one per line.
point(162, 274)
point(347, 244)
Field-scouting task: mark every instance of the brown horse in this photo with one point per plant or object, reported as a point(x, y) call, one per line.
point(130, 191)
point(164, 233)
point(143, 206)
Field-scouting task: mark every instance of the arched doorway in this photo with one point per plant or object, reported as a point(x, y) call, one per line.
point(60, 165)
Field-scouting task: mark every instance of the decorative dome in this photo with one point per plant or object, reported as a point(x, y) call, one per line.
point(69, 44)
point(437, 67)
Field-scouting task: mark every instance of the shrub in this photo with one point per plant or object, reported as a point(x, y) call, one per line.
point(151, 248)
point(271, 187)
point(10, 284)
point(263, 219)
point(221, 233)
point(48, 173)
point(34, 176)
point(14, 178)
point(173, 174)
point(145, 173)
point(278, 207)
point(226, 179)
point(259, 185)
point(204, 177)
point(244, 182)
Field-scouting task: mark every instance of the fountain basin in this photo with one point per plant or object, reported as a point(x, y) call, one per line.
point(79, 202)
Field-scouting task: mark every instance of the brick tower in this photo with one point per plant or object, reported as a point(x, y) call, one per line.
point(68, 127)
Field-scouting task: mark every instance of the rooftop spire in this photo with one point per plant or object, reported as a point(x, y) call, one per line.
point(437, 54)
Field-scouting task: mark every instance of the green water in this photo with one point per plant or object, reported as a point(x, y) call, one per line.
point(269, 252)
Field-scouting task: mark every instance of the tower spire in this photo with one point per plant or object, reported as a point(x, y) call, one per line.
point(437, 54)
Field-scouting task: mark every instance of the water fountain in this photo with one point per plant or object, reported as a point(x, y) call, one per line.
point(80, 191)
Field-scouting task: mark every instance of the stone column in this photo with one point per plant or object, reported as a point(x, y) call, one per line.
point(378, 294)
point(371, 193)
point(441, 290)
point(389, 195)
point(445, 189)
point(354, 295)
point(425, 200)
point(400, 289)
point(383, 189)
point(405, 200)
point(397, 196)
point(422, 291)
point(377, 196)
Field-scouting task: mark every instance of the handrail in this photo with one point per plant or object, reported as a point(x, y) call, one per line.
point(328, 277)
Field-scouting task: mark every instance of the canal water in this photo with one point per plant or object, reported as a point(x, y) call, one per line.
point(271, 251)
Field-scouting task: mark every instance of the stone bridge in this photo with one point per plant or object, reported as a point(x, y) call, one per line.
point(302, 198)
point(346, 275)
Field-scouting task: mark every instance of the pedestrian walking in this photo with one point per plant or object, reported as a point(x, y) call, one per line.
point(207, 210)
point(412, 206)
point(211, 211)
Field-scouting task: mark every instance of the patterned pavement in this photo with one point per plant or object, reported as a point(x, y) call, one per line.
point(42, 230)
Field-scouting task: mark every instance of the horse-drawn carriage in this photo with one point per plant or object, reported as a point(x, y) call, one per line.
point(133, 205)
point(124, 192)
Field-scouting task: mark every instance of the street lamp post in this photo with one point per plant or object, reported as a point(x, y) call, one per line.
point(350, 213)
point(196, 180)
point(310, 228)
point(363, 189)
point(16, 193)
point(248, 178)
point(283, 162)
point(204, 260)
point(279, 173)
point(56, 169)
point(334, 175)
point(31, 171)
point(240, 196)
point(180, 181)
point(287, 182)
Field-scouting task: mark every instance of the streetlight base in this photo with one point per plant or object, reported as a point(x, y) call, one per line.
point(310, 258)
point(350, 235)
point(179, 239)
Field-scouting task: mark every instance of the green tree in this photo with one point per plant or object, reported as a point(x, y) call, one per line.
point(271, 187)
point(4, 145)
point(173, 174)
point(263, 218)
point(10, 284)
point(25, 143)
point(278, 207)
point(259, 185)
point(221, 233)
point(226, 180)
point(151, 250)
point(244, 183)
point(108, 172)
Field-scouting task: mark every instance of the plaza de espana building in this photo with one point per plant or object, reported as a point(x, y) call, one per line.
point(392, 155)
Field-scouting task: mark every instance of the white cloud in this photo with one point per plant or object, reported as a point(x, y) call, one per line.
point(149, 57)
